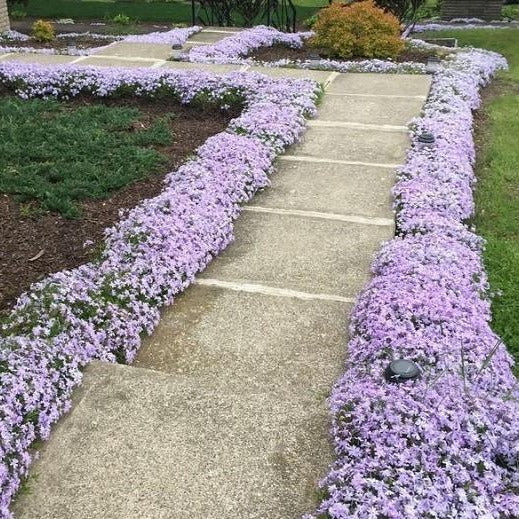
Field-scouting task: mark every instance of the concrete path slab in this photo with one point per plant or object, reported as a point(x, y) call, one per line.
point(381, 84)
point(370, 110)
point(146, 445)
point(137, 50)
point(376, 146)
point(289, 347)
point(109, 61)
point(277, 72)
point(334, 188)
point(208, 36)
point(217, 69)
point(305, 254)
point(42, 59)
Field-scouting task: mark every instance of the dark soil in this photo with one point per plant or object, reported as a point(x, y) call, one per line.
point(33, 247)
point(278, 52)
point(82, 42)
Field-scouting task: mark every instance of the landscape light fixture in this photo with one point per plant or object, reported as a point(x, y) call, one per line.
point(314, 59)
point(71, 47)
point(433, 65)
point(177, 52)
point(426, 140)
point(402, 370)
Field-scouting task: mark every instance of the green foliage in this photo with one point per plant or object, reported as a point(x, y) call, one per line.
point(53, 155)
point(43, 31)
point(121, 19)
point(404, 10)
point(18, 14)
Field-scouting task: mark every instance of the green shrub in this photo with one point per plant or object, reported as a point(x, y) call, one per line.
point(358, 30)
point(121, 19)
point(43, 31)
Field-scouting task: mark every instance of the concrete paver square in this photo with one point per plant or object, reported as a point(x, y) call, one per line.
point(43, 59)
point(250, 342)
point(115, 62)
point(280, 72)
point(330, 188)
point(216, 69)
point(207, 36)
point(351, 144)
point(145, 445)
point(370, 110)
point(381, 84)
point(137, 50)
point(297, 253)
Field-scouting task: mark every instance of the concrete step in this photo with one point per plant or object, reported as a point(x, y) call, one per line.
point(347, 189)
point(243, 342)
point(296, 253)
point(145, 445)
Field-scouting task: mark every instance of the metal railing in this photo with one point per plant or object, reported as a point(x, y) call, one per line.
point(226, 13)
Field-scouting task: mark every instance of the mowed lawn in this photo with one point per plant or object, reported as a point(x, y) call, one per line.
point(171, 12)
point(497, 194)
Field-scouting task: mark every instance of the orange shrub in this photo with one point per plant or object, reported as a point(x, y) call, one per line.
point(358, 30)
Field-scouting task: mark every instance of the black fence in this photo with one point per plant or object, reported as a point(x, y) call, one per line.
point(245, 13)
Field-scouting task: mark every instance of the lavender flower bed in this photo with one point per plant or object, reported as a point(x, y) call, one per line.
point(234, 49)
point(101, 310)
point(447, 444)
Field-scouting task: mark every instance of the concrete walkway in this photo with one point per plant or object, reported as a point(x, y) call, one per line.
point(223, 415)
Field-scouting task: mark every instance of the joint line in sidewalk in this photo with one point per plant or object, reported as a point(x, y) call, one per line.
point(254, 288)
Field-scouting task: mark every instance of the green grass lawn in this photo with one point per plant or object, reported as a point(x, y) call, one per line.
point(52, 154)
point(169, 12)
point(497, 194)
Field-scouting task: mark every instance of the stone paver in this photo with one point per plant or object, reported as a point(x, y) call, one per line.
point(277, 72)
point(137, 50)
point(370, 110)
point(141, 444)
point(217, 69)
point(334, 188)
point(364, 145)
point(381, 84)
point(304, 254)
point(224, 416)
point(109, 61)
point(43, 59)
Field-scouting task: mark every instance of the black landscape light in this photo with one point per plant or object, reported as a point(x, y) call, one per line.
point(71, 47)
point(402, 370)
point(177, 52)
point(426, 140)
point(433, 65)
point(314, 58)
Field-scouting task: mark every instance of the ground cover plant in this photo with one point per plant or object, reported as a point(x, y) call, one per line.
point(496, 202)
point(59, 196)
point(445, 444)
point(102, 309)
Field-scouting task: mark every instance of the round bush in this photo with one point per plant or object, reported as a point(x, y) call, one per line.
point(358, 30)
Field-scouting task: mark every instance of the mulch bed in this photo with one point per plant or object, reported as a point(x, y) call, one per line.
point(81, 42)
point(62, 240)
point(278, 52)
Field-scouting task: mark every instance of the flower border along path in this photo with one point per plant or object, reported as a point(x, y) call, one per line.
point(101, 310)
point(447, 444)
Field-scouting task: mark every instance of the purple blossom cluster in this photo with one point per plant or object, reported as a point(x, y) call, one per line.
point(101, 310)
point(234, 48)
point(176, 37)
point(444, 445)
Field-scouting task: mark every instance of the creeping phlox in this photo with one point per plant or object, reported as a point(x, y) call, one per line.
point(101, 310)
point(447, 444)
